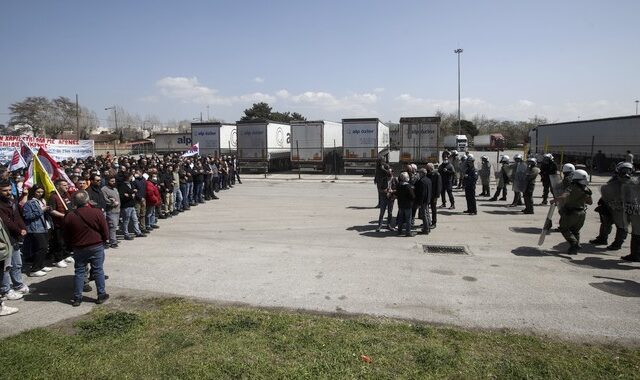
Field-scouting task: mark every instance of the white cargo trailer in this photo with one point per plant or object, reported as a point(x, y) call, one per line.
point(457, 142)
point(172, 142)
point(579, 140)
point(316, 144)
point(364, 141)
point(263, 145)
point(215, 139)
point(419, 139)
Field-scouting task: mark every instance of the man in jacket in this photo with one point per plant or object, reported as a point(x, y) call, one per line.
point(127, 201)
point(12, 286)
point(112, 209)
point(447, 173)
point(140, 184)
point(436, 188)
point(60, 203)
point(423, 189)
point(96, 197)
point(387, 188)
point(153, 201)
point(405, 196)
point(86, 233)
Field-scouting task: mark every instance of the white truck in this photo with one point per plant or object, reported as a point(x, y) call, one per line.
point(493, 141)
point(263, 145)
point(457, 142)
point(579, 141)
point(419, 139)
point(316, 145)
point(172, 142)
point(364, 142)
point(215, 139)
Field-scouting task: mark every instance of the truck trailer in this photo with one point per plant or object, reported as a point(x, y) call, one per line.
point(579, 141)
point(172, 142)
point(215, 139)
point(364, 142)
point(419, 139)
point(316, 145)
point(263, 146)
point(455, 142)
point(493, 141)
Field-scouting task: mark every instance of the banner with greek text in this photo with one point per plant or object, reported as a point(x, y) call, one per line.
point(59, 149)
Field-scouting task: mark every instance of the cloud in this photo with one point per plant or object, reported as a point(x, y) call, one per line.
point(258, 80)
point(189, 90)
point(526, 103)
point(378, 90)
point(444, 105)
point(283, 94)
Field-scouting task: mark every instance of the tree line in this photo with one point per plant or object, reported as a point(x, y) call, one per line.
point(45, 117)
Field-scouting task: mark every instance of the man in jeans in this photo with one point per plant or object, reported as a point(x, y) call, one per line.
point(112, 209)
point(86, 232)
point(127, 200)
point(12, 286)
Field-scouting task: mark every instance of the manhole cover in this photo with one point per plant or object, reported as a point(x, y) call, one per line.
point(445, 249)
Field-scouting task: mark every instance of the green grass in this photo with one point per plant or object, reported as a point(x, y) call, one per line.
point(172, 338)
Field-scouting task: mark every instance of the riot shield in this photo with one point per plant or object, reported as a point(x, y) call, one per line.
point(547, 224)
point(631, 205)
point(556, 184)
point(612, 196)
point(520, 178)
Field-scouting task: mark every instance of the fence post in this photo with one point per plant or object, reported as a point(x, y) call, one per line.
point(335, 164)
point(298, 154)
point(593, 139)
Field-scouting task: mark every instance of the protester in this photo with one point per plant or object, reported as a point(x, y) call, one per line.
point(36, 217)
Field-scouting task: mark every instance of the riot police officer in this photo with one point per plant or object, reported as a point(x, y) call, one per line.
point(610, 208)
point(573, 213)
point(548, 167)
point(519, 180)
point(503, 177)
point(485, 176)
point(447, 173)
point(532, 174)
point(470, 179)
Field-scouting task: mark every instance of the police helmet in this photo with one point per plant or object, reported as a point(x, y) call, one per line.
point(624, 165)
point(463, 157)
point(548, 156)
point(504, 159)
point(580, 176)
point(484, 158)
point(470, 157)
point(532, 160)
point(568, 168)
point(454, 152)
point(517, 157)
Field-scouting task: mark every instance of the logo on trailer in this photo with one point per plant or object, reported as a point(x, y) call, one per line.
point(280, 137)
point(234, 138)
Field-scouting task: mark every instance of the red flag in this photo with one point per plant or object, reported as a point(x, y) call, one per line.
point(54, 170)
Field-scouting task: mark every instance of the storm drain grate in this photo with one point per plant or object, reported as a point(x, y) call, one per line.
point(445, 249)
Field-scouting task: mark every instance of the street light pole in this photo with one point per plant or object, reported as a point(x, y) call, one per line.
point(115, 115)
point(637, 101)
point(458, 52)
point(208, 119)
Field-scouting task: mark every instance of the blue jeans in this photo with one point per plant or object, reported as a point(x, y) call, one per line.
point(13, 278)
point(177, 198)
point(151, 216)
point(404, 219)
point(189, 192)
point(198, 195)
point(129, 214)
point(83, 256)
point(386, 204)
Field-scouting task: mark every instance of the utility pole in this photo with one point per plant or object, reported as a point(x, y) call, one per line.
point(115, 116)
point(458, 52)
point(77, 119)
point(637, 101)
point(208, 119)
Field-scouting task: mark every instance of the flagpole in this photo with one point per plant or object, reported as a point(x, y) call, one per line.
point(54, 185)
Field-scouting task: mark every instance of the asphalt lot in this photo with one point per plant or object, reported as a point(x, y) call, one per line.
point(311, 244)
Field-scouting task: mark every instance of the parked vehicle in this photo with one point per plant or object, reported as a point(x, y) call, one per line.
point(364, 141)
point(316, 145)
point(172, 142)
point(579, 141)
point(215, 139)
point(457, 142)
point(263, 146)
point(419, 139)
point(493, 141)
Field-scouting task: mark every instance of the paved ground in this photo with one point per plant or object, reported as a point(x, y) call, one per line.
point(311, 244)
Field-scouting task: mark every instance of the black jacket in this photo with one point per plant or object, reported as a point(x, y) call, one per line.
point(95, 194)
point(405, 195)
point(127, 195)
point(436, 184)
point(423, 191)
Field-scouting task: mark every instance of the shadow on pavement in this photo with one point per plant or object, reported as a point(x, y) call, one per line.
point(586, 248)
point(449, 212)
point(504, 205)
point(618, 287)
point(516, 211)
point(602, 263)
point(59, 288)
point(529, 252)
point(366, 228)
point(361, 208)
point(526, 230)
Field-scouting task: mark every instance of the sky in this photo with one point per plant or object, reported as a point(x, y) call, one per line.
point(330, 59)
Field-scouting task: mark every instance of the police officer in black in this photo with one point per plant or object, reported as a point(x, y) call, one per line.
point(469, 180)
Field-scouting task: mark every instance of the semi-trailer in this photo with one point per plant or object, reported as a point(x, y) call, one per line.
point(364, 142)
point(215, 139)
point(419, 139)
point(263, 145)
point(493, 141)
point(316, 145)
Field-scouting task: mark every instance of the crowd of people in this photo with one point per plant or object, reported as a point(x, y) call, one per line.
point(417, 192)
point(99, 202)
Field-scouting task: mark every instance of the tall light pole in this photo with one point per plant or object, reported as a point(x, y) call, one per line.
point(637, 101)
point(115, 115)
point(458, 52)
point(208, 119)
